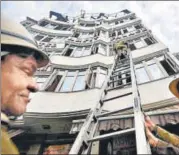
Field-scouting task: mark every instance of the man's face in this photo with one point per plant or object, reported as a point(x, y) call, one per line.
point(17, 83)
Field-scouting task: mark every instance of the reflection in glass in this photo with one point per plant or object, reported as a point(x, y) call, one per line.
point(80, 83)
point(155, 71)
point(67, 84)
point(141, 75)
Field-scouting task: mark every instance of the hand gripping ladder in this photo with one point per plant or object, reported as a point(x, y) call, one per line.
point(85, 137)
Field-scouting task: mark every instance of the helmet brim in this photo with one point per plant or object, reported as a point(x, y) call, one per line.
point(173, 87)
point(13, 41)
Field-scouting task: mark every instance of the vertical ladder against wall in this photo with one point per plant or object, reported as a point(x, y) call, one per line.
point(85, 137)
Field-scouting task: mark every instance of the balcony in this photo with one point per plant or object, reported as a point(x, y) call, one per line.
point(47, 31)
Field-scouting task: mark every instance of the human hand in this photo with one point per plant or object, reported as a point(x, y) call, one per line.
point(149, 124)
point(153, 141)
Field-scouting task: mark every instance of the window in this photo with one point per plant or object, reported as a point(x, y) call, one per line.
point(78, 52)
point(54, 84)
point(40, 80)
point(138, 26)
point(101, 76)
point(132, 47)
point(69, 52)
point(119, 33)
point(47, 39)
point(80, 81)
point(102, 49)
point(167, 67)
point(87, 51)
point(69, 80)
point(76, 35)
point(149, 41)
point(139, 44)
point(43, 23)
point(131, 28)
point(39, 37)
point(141, 75)
point(155, 71)
point(125, 31)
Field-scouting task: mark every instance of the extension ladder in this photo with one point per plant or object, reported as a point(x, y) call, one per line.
point(85, 137)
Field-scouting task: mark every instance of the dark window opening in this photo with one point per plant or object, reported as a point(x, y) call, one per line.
point(138, 26)
point(132, 47)
point(125, 31)
point(47, 39)
point(54, 84)
point(167, 67)
point(116, 22)
point(38, 37)
point(76, 35)
point(88, 81)
point(121, 21)
point(131, 18)
point(90, 25)
point(68, 52)
point(119, 33)
point(43, 23)
point(113, 34)
point(148, 41)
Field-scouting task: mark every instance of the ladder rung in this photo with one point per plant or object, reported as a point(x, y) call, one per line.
point(113, 112)
point(109, 89)
point(125, 68)
point(115, 117)
point(112, 98)
point(120, 74)
point(119, 79)
point(122, 65)
point(121, 60)
point(106, 136)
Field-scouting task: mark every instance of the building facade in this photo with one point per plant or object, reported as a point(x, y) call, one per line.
point(81, 51)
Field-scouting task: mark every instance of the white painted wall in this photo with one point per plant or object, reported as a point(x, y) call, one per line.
point(47, 102)
point(63, 60)
point(148, 50)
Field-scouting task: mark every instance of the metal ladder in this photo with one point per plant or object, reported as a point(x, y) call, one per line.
point(85, 137)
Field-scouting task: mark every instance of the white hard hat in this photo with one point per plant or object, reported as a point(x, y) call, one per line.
point(15, 38)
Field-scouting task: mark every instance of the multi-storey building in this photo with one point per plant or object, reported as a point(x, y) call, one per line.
point(81, 53)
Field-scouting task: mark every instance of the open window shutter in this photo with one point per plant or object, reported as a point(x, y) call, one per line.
point(88, 78)
point(54, 84)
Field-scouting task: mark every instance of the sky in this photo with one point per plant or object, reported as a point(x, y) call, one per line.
point(162, 17)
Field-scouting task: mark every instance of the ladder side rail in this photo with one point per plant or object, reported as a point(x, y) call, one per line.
point(82, 135)
point(141, 141)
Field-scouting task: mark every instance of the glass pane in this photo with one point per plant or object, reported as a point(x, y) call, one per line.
point(82, 72)
point(141, 75)
point(150, 62)
point(99, 80)
point(80, 83)
point(78, 52)
point(86, 52)
point(67, 84)
point(139, 44)
point(155, 71)
point(41, 79)
point(71, 73)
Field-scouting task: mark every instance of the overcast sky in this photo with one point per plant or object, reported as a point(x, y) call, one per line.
point(161, 17)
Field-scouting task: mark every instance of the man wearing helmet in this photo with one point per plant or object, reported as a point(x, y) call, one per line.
point(20, 58)
point(169, 143)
